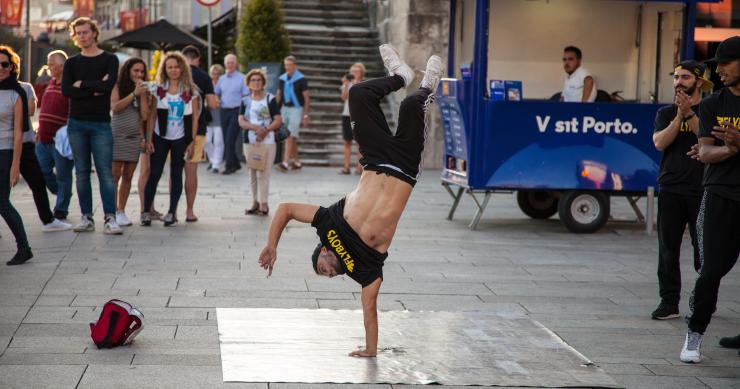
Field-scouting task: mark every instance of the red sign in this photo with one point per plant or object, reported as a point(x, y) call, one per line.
point(134, 18)
point(11, 12)
point(208, 3)
point(83, 8)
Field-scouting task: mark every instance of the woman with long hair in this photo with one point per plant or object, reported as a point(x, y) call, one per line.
point(130, 105)
point(13, 123)
point(355, 76)
point(172, 130)
point(261, 118)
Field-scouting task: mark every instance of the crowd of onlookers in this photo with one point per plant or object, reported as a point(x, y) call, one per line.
point(93, 111)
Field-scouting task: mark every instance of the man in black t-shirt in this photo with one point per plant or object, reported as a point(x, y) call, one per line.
point(356, 232)
point(209, 99)
point(88, 79)
point(719, 215)
point(680, 177)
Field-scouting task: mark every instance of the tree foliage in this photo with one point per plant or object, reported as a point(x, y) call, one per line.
point(262, 34)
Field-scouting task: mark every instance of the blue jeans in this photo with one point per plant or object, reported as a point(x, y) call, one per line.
point(94, 138)
point(7, 211)
point(46, 163)
point(64, 182)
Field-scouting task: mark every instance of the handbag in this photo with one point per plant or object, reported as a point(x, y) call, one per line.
point(282, 134)
point(257, 156)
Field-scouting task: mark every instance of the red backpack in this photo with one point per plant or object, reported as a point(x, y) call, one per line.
point(118, 324)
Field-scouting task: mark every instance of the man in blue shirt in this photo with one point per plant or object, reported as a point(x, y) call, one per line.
point(230, 89)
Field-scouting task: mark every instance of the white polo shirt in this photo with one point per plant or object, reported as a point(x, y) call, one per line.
point(573, 86)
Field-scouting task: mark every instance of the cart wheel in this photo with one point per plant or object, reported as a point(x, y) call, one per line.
point(584, 212)
point(538, 204)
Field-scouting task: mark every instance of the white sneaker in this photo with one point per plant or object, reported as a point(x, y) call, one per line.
point(395, 65)
point(122, 219)
point(690, 352)
point(86, 224)
point(56, 225)
point(111, 227)
point(432, 74)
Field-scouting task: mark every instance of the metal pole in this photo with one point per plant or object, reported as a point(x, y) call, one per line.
point(29, 42)
point(650, 210)
point(210, 50)
point(451, 42)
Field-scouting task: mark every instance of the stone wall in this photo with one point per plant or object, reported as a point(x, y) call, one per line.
point(418, 29)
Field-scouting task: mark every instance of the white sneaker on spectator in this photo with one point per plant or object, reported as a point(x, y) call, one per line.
point(111, 227)
point(690, 352)
point(395, 64)
point(86, 224)
point(122, 219)
point(432, 74)
point(56, 225)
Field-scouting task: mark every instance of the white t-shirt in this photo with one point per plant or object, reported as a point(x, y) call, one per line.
point(177, 110)
point(345, 108)
point(573, 86)
point(259, 114)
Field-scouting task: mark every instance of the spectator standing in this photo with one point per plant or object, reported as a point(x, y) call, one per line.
point(230, 89)
point(260, 116)
point(130, 105)
point(14, 122)
point(88, 80)
point(355, 76)
point(293, 95)
point(209, 101)
point(172, 130)
point(214, 133)
point(680, 178)
point(53, 114)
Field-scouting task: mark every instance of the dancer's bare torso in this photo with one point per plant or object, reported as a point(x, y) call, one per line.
point(374, 208)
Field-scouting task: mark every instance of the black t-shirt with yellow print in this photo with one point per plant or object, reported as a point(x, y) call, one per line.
point(679, 173)
point(722, 178)
point(360, 262)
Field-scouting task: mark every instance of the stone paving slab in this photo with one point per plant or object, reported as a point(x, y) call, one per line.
point(41, 376)
point(595, 290)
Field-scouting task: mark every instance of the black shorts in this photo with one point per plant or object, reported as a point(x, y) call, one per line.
point(347, 129)
point(397, 155)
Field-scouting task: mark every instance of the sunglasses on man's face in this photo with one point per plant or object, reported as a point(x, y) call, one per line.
point(5, 64)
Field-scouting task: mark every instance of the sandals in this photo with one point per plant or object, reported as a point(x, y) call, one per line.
point(282, 166)
point(344, 171)
point(263, 213)
point(252, 211)
point(296, 165)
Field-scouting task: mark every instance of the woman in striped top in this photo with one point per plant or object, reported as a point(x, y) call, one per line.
point(129, 104)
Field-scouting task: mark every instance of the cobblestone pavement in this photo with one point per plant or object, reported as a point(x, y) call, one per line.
point(595, 291)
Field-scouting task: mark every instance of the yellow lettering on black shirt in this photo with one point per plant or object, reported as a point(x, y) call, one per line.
point(339, 249)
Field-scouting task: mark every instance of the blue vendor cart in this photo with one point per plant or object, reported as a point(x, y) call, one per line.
point(565, 158)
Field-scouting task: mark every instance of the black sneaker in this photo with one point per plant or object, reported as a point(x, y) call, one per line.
point(665, 312)
point(20, 257)
point(730, 342)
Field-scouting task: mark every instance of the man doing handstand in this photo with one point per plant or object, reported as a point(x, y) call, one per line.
point(356, 231)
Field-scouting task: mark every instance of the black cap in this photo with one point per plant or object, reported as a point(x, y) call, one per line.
point(728, 50)
point(699, 70)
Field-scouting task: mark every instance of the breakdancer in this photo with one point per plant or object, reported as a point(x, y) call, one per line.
point(356, 231)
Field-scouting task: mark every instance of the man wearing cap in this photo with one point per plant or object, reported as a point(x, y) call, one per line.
point(719, 214)
point(680, 177)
